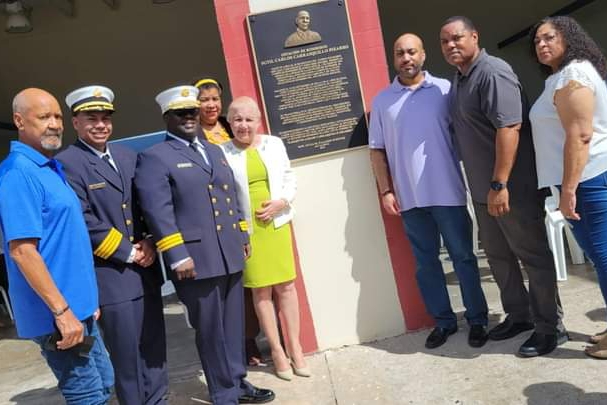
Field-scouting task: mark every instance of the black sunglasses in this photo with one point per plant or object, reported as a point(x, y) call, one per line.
point(184, 112)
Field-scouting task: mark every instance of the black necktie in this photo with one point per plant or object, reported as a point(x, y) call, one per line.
point(106, 159)
point(200, 150)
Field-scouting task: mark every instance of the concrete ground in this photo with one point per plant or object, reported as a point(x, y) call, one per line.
point(397, 370)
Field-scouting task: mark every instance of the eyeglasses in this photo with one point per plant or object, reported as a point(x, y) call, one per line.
point(547, 38)
point(184, 112)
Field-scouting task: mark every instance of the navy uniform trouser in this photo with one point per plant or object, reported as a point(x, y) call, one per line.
point(135, 336)
point(216, 311)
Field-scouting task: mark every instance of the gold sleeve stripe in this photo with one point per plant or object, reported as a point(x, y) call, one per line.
point(169, 242)
point(109, 245)
point(244, 226)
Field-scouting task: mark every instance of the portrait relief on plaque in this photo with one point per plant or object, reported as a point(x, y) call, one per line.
point(303, 35)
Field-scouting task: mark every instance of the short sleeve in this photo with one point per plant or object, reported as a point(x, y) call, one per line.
point(376, 134)
point(577, 72)
point(21, 203)
point(500, 97)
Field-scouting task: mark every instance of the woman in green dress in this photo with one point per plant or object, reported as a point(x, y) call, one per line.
point(265, 188)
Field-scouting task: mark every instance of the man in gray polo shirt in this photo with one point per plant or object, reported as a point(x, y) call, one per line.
point(492, 133)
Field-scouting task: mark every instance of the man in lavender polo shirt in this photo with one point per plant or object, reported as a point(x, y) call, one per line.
point(419, 178)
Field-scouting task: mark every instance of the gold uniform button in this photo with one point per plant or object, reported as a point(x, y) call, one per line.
point(128, 222)
point(219, 227)
point(225, 187)
point(123, 206)
point(234, 226)
point(210, 187)
point(214, 200)
point(131, 238)
point(231, 212)
point(228, 200)
point(216, 213)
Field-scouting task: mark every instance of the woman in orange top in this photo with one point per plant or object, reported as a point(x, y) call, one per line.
point(214, 126)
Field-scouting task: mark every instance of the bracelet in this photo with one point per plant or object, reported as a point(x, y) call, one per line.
point(61, 311)
point(386, 192)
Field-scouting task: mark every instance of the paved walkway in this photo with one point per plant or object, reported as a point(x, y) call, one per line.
point(398, 370)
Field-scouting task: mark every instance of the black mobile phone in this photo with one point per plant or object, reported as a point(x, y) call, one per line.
point(83, 349)
point(50, 343)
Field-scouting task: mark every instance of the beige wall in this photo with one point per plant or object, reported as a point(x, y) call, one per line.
point(137, 50)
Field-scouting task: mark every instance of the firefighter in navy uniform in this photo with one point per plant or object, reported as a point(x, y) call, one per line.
point(128, 275)
point(187, 195)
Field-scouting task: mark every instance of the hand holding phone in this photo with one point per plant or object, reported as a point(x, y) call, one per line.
point(82, 349)
point(71, 330)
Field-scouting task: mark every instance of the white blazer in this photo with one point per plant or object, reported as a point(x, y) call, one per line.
point(280, 176)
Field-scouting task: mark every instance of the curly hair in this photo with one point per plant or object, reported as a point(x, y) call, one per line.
point(578, 44)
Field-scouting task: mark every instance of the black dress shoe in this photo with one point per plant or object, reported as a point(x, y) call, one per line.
point(562, 336)
point(508, 329)
point(538, 344)
point(477, 337)
point(257, 396)
point(438, 336)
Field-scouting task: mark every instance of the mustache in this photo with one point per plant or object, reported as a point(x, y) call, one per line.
point(53, 133)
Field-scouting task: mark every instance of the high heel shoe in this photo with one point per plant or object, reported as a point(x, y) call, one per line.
point(302, 372)
point(286, 375)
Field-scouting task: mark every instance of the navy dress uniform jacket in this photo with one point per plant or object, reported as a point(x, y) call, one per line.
point(129, 295)
point(113, 219)
point(191, 207)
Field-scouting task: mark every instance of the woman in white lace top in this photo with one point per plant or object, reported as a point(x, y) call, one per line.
point(569, 122)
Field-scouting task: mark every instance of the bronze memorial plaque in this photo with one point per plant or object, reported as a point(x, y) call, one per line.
point(308, 78)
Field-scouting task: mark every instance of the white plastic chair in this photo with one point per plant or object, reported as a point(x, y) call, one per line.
point(470, 207)
point(555, 225)
point(7, 303)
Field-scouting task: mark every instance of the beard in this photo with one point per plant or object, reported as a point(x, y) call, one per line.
point(412, 72)
point(50, 141)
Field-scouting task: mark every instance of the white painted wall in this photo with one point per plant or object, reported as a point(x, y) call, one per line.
point(342, 243)
point(343, 251)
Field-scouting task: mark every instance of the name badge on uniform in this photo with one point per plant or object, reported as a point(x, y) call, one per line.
point(184, 165)
point(96, 186)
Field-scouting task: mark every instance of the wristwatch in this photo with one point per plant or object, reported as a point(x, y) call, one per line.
point(497, 186)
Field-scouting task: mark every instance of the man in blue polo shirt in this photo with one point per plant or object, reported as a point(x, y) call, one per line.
point(419, 179)
point(49, 259)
